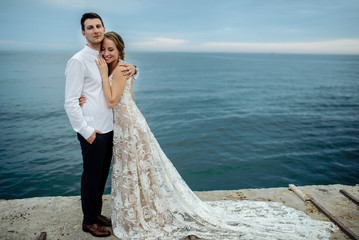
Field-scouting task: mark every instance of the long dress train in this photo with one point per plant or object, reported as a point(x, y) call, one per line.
point(150, 200)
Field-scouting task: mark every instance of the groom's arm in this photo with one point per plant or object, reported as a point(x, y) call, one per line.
point(129, 70)
point(75, 76)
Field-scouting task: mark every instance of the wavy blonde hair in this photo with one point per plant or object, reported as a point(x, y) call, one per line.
point(117, 39)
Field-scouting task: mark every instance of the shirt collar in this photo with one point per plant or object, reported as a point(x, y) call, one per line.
point(91, 51)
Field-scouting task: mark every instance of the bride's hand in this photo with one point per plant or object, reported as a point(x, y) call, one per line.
point(82, 100)
point(102, 66)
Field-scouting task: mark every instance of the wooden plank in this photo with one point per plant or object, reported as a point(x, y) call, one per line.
point(299, 193)
point(348, 195)
point(307, 197)
point(346, 230)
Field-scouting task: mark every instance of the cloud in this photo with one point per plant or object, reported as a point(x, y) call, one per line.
point(160, 44)
point(114, 6)
point(69, 3)
point(343, 46)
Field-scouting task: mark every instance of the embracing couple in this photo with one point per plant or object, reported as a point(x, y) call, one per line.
point(149, 199)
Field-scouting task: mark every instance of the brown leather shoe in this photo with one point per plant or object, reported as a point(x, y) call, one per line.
point(96, 230)
point(104, 221)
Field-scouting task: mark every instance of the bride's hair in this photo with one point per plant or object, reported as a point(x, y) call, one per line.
point(117, 39)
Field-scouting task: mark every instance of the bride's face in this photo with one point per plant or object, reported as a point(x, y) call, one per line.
point(109, 51)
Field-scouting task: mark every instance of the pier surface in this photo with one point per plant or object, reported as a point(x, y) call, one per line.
point(60, 217)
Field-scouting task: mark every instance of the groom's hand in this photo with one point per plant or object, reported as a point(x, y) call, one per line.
point(92, 138)
point(128, 70)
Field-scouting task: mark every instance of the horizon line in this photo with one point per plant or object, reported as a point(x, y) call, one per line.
point(188, 51)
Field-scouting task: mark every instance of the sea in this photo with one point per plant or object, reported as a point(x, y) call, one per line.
point(225, 120)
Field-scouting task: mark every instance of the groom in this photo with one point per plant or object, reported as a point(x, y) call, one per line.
point(93, 122)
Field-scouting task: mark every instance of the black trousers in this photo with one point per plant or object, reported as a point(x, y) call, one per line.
point(96, 166)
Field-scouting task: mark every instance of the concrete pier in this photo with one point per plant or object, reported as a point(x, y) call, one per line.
point(60, 217)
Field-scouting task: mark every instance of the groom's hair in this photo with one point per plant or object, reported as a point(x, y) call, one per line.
point(90, 15)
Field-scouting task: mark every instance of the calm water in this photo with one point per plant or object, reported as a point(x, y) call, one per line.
point(226, 121)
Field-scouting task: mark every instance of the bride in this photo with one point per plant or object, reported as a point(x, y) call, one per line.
point(150, 200)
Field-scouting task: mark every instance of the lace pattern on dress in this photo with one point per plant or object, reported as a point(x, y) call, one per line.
point(150, 200)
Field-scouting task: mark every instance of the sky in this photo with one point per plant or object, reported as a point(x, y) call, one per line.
point(258, 26)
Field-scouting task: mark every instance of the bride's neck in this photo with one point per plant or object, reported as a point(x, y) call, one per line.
point(112, 66)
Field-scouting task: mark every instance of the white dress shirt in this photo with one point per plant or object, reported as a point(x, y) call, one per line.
point(83, 78)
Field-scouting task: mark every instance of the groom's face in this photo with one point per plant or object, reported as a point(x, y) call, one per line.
point(94, 31)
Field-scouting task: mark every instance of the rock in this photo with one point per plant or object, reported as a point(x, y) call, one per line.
point(61, 217)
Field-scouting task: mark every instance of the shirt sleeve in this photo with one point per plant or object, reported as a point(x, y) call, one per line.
point(75, 76)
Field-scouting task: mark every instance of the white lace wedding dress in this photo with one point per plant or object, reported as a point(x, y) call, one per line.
point(150, 200)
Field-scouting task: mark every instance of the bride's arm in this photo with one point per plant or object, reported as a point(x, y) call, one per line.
point(112, 93)
point(132, 88)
